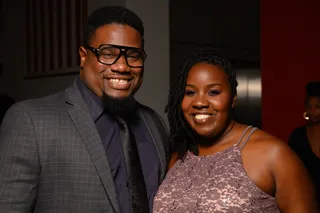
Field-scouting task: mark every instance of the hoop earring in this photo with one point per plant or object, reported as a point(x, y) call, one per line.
point(305, 116)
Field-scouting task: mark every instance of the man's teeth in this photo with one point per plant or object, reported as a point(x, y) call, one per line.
point(202, 116)
point(118, 81)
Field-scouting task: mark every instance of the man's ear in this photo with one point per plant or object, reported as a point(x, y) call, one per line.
point(83, 55)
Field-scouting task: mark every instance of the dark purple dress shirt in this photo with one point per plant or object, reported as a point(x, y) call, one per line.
point(109, 132)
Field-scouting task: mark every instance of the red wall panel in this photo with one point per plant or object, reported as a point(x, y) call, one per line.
point(290, 57)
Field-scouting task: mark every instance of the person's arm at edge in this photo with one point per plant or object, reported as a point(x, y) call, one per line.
point(19, 162)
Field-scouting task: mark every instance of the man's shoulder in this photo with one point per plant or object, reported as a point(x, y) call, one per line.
point(150, 114)
point(48, 108)
point(36, 105)
point(145, 110)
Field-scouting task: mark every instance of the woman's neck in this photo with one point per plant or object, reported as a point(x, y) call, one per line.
point(208, 144)
point(314, 127)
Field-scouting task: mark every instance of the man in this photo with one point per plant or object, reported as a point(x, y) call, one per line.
point(66, 152)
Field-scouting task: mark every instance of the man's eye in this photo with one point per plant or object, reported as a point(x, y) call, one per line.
point(134, 56)
point(106, 55)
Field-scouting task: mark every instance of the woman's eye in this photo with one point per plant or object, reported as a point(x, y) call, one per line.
point(189, 93)
point(214, 92)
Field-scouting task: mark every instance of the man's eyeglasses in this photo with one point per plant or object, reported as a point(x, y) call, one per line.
point(109, 54)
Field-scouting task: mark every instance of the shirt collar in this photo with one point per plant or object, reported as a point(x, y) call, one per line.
point(94, 103)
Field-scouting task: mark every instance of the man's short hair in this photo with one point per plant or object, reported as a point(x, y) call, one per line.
point(112, 15)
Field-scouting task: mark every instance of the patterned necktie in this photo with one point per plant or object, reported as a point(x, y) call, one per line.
point(137, 187)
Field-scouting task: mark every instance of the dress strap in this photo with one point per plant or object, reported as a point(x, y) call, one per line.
point(243, 134)
point(247, 138)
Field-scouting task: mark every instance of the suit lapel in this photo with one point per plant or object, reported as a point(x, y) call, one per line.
point(159, 137)
point(82, 119)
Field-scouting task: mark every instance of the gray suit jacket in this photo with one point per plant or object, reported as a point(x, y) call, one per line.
point(52, 158)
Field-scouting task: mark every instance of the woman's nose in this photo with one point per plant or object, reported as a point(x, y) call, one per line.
point(200, 102)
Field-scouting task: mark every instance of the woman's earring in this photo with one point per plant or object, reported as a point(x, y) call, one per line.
point(305, 116)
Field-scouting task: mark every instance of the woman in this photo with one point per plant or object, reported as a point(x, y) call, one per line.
point(219, 165)
point(305, 140)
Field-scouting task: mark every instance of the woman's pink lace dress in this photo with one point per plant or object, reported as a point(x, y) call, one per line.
point(216, 183)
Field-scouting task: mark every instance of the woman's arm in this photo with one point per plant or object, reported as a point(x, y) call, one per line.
point(295, 192)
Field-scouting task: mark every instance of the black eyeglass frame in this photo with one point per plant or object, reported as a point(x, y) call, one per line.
point(123, 50)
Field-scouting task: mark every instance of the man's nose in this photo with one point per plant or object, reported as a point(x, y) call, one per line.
point(121, 64)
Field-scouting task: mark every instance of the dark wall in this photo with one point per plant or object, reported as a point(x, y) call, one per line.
point(232, 27)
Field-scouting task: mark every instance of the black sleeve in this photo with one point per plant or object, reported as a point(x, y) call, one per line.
point(296, 141)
